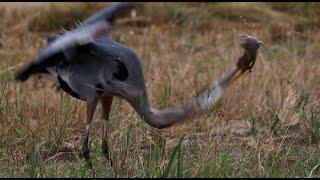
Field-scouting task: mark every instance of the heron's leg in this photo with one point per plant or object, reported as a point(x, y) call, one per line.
point(91, 106)
point(106, 103)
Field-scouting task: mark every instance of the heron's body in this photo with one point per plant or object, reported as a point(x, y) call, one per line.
point(107, 65)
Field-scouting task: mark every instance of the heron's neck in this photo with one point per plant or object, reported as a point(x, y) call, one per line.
point(191, 108)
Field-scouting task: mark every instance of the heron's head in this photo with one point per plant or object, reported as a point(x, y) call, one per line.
point(250, 43)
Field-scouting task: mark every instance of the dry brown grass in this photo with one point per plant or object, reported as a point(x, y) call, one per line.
point(183, 47)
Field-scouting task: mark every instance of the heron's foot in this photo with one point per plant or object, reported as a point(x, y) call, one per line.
point(105, 151)
point(86, 154)
point(89, 164)
point(85, 149)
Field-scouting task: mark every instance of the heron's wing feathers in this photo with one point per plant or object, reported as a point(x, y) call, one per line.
point(64, 47)
point(107, 15)
point(94, 26)
point(53, 37)
point(64, 43)
point(110, 13)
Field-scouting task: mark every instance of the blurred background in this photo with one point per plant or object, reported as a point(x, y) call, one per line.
point(267, 124)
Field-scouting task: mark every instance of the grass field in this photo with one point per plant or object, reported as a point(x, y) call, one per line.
point(266, 125)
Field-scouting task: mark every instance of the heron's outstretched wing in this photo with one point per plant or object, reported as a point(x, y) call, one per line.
point(65, 44)
point(107, 14)
point(96, 24)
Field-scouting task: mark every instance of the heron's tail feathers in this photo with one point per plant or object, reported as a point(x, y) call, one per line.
point(27, 70)
point(24, 73)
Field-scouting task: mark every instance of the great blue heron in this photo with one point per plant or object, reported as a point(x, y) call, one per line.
point(89, 65)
